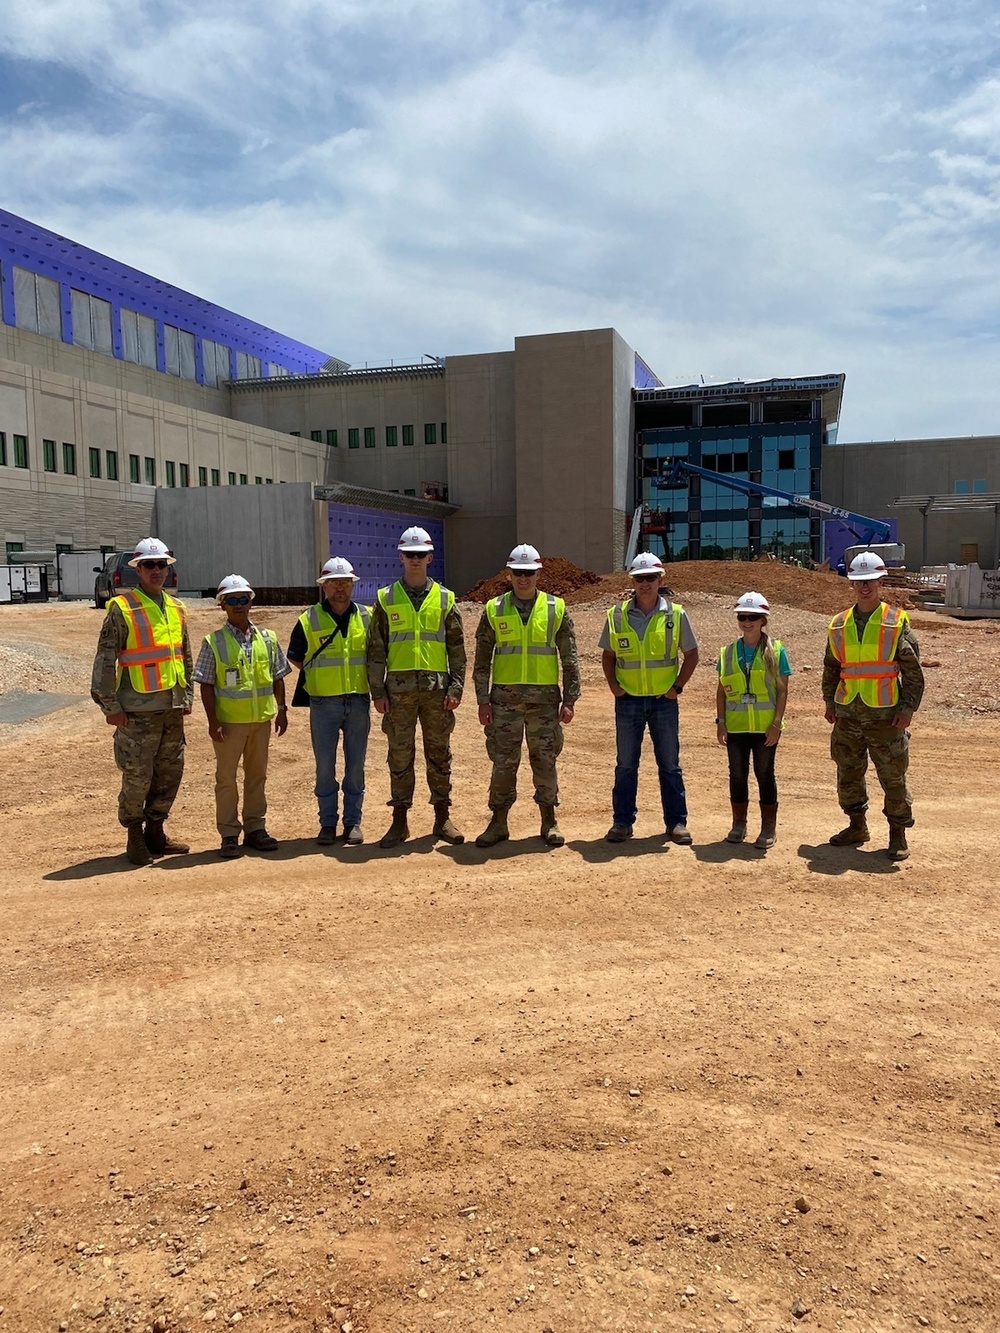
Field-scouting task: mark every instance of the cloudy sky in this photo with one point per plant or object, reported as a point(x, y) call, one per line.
point(741, 190)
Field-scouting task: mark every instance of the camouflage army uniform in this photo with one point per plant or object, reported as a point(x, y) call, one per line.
point(860, 731)
point(413, 696)
point(530, 712)
point(149, 751)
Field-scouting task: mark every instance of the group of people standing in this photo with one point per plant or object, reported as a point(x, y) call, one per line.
point(406, 654)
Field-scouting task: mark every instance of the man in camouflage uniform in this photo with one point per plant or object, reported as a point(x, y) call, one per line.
point(522, 637)
point(142, 683)
point(416, 671)
point(872, 686)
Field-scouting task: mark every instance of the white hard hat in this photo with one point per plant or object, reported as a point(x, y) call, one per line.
point(415, 539)
point(753, 601)
point(337, 568)
point(646, 563)
point(233, 583)
point(524, 557)
point(865, 567)
point(151, 548)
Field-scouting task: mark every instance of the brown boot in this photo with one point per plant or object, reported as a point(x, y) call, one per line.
point(551, 832)
point(897, 849)
point(399, 829)
point(136, 850)
point(738, 832)
point(160, 843)
point(443, 827)
point(855, 834)
point(495, 831)
point(768, 835)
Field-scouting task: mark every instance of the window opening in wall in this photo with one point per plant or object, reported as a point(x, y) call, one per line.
point(139, 338)
point(216, 479)
point(94, 456)
point(185, 475)
point(243, 478)
point(3, 449)
point(331, 439)
point(258, 481)
point(296, 433)
point(409, 492)
point(369, 437)
point(133, 467)
point(37, 304)
point(215, 366)
point(247, 366)
point(178, 351)
point(979, 486)
point(232, 478)
point(20, 443)
point(444, 432)
point(407, 435)
point(268, 481)
point(170, 472)
point(150, 471)
point(91, 322)
point(49, 455)
point(111, 465)
point(316, 435)
point(353, 438)
point(13, 548)
point(203, 476)
point(69, 459)
point(430, 432)
point(391, 440)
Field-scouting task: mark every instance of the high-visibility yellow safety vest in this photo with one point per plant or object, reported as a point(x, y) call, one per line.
point(340, 667)
point(525, 653)
point(750, 704)
point(153, 654)
point(416, 638)
point(867, 667)
point(646, 665)
point(244, 687)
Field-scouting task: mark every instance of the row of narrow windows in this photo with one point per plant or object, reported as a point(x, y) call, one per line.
point(394, 435)
point(104, 463)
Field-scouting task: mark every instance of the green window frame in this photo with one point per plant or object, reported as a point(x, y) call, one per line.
point(111, 464)
point(150, 469)
point(243, 478)
point(20, 443)
point(216, 477)
point(133, 468)
point(69, 459)
point(3, 449)
point(391, 437)
point(258, 481)
point(316, 435)
point(430, 432)
point(444, 432)
point(49, 456)
point(185, 475)
point(409, 492)
point(296, 433)
point(407, 435)
point(94, 456)
point(369, 437)
point(331, 439)
point(171, 473)
point(232, 478)
point(268, 481)
point(353, 438)
point(203, 476)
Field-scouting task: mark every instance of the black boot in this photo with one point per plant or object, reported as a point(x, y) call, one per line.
point(160, 843)
point(136, 850)
point(399, 829)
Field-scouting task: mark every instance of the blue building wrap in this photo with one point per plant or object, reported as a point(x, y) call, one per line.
point(26, 245)
point(369, 539)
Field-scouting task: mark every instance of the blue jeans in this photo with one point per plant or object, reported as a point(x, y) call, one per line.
point(329, 715)
point(633, 713)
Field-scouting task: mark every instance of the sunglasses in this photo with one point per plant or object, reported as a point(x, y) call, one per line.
point(749, 617)
point(417, 555)
point(646, 578)
point(154, 564)
point(244, 600)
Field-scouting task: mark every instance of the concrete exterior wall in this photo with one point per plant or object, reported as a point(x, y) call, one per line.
point(572, 414)
point(868, 477)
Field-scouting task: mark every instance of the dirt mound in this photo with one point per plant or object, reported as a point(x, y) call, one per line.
point(556, 575)
point(785, 585)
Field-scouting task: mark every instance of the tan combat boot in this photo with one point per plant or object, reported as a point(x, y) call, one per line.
point(768, 835)
point(495, 831)
point(854, 835)
point(136, 850)
point(551, 832)
point(897, 849)
point(443, 827)
point(738, 832)
point(399, 829)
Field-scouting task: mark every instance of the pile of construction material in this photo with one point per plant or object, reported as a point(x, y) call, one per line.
point(557, 576)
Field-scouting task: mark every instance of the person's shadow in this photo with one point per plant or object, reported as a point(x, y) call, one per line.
point(826, 859)
point(602, 852)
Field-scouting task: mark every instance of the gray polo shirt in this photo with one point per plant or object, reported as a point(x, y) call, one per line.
point(639, 622)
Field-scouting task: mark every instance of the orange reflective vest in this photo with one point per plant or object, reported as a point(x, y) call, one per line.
point(153, 654)
point(867, 665)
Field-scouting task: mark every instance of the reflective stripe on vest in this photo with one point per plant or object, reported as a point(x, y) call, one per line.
point(741, 714)
point(525, 653)
point(340, 667)
point(416, 638)
point(153, 654)
point(867, 667)
point(646, 665)
point(244, 687)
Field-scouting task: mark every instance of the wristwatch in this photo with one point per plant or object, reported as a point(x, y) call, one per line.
point(719, 722)
point(678, 689)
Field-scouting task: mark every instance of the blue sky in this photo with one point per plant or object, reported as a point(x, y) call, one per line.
point(742, 191)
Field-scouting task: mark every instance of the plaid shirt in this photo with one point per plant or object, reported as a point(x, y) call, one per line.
point(204, 668)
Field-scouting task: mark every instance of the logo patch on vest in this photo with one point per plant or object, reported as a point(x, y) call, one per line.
point(503, 626)
point(395, 617)
point(623, 643)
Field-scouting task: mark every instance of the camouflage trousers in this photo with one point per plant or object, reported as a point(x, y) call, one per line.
point(535, 721)
point(150, 754)
point(400, 727)
point(854, 739)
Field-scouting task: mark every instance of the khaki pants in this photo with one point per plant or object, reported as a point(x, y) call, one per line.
point(247, 741)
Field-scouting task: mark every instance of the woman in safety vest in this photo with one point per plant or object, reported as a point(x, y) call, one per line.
point(750, 704)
